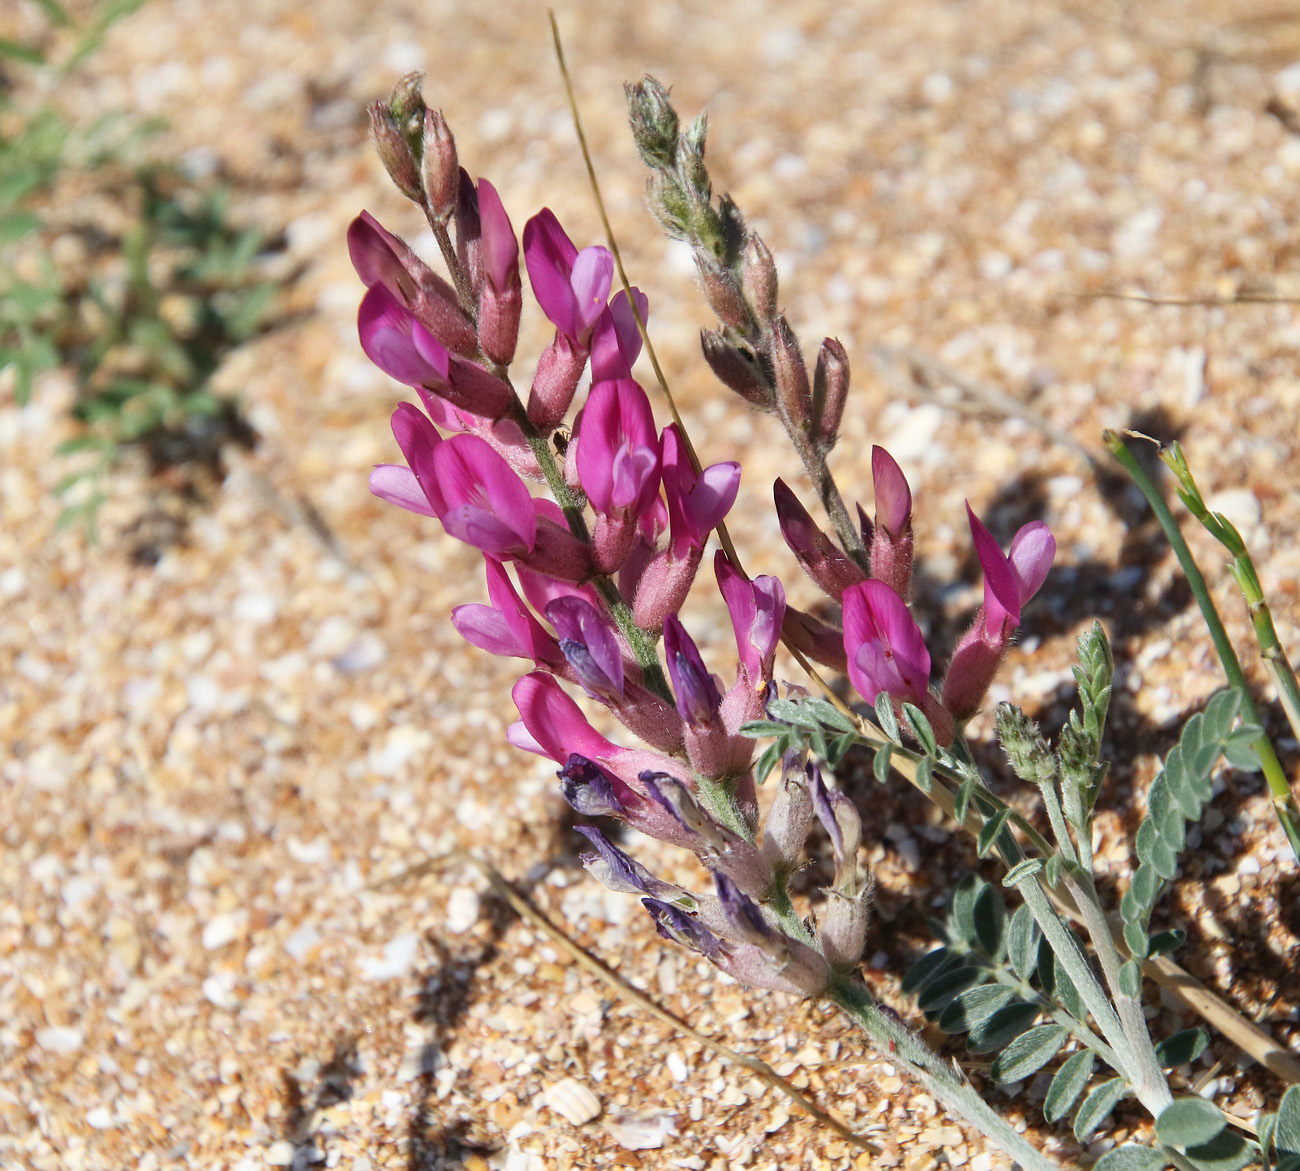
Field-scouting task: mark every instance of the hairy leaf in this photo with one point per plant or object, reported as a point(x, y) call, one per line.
point(1068, 1084)
point(1028, 1053)
point(1003, 1027)
point(1132, 1158)
point(1096, 1107)
point(1182, 1047)
point(1189, 1122)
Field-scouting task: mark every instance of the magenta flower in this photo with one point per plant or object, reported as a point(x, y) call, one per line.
point(398, 344)
point(507, 626)
point(891, 539)
point(618, 449)
point(616, 340)
point(1009, 582)
point(570, 286)
point(382, 259)
point(883, 645)
point(486, 504)
point(551, 724)
point(818, 556)
point(697, 502)
point(395, 341)
point(757, 610)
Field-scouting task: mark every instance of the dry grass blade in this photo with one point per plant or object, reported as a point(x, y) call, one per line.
point(526, 911)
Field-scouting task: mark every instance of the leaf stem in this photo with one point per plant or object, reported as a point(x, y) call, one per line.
point(942, 1080)
point(1283, 800)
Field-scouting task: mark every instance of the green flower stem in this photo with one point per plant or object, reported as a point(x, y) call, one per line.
point(814, 462)
point(1247, 579)
point(900, 1045)
point(720, 799)
point(1153, 1094)
point(1283, 800)
point(1129, 1008)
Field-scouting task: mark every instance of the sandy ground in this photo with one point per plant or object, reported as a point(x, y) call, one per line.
point(208, 764)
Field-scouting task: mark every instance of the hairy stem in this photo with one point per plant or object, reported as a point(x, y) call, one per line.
point(935, 1074)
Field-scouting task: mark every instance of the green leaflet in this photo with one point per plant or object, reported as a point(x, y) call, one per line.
point(1096, 1108)
point(1068, 1084)
point(1028, 1053)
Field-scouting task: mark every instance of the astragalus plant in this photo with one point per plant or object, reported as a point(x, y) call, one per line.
point(594, 522)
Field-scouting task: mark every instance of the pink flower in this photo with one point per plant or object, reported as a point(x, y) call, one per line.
point(395, 341)
point(697, 502)
point(570, 286)
point(507, 626)
point(1009, 582)
point(891, 539)
point(883, 645)
point(618, 449)
point(616, 340)
point(382, 259)
point(757, 610)
point(500, 302)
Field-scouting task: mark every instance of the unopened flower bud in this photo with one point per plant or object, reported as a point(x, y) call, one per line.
point(722, 291)
point(439, 167)
point(793, 392)
point(1024, 745)
point(760, 278)
point(406, 103)
point(819, 557)
point(830, 390)
point(654, 122)
point(737, 366)
point(394, 151)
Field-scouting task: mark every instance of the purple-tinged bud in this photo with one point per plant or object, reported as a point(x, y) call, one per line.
point(789, 966)
point(614, 869)
point(679, 927)
point(469, 231)
point(668, 792)
point(590, 647)
point(722, 291)
point(788, 821)
point(698, 697)
point(812, 637)
point(793, 392)
point(830, 391)
point(500, 298)
point(760, 279)
point(556, 552)
point(394, 151)
point(842, 928)
point(737, 366)
point(439, 167)
point(818, 556)
point(590, 790)
point(843, 825)
point(891, 535)
point(663, 585)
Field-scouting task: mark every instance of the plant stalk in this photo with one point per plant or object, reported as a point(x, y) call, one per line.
point(1283, 799)
point(936, 1075)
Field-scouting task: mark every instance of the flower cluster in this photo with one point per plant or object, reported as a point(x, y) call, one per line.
point(586, 584)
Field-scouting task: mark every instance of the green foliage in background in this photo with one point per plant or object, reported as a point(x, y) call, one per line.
point(145, 313)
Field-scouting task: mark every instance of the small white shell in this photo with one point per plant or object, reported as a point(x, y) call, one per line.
point(573, 1100)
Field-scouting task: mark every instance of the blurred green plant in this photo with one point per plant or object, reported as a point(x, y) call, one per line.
point(143, 314)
